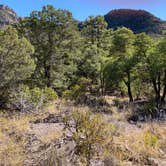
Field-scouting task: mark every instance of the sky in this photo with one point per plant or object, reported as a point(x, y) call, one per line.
point(81, 9)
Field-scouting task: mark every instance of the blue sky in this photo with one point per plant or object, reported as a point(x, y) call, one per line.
point(81, 9)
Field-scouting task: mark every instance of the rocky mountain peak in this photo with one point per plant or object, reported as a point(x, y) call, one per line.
point(7, 16)
point(136, 20)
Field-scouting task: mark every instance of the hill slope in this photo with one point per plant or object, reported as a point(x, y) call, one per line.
point(136, 20)
point(7, 16)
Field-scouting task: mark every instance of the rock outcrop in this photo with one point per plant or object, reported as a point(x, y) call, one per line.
point(7, 16)
point(136, 20)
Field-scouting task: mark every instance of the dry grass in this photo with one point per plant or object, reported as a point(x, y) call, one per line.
point(139, 146)
point(12, 141)
point(51, 137)
point(14, 128)
point(132, 145)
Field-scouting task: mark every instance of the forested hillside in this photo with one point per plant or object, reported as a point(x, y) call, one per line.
point(89, 96)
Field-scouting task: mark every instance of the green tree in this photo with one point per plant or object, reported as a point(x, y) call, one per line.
point(55, 37)
point(96, 43)
point(152, 67)
point(143, 45)
point(90, 63)
point(16, 64)
point(162, 51)
point(122, 61)
point(95, 31)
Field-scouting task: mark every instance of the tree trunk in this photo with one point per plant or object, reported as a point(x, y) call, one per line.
point(164, 94)
point(102, 86)
point(130, 93)
point(48, 61)
point(157, 89)
point(48, 75)
point(164, 90)
point(129, 88)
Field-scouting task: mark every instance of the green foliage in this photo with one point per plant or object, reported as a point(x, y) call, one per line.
point(90, 66)
point(120, 68)
point(122, 42)
point(152, 66)
point(143, 44)
point(137, 61)
point(24, 98)
point(95, 31)
point(89, 133)
point(73, 93)
point(79, 89)
point(151, 140)
point(16, 64)
point(35, 96)
point(48, 49)
point(149, 109)
point(53, 32)
point(49, 95)
point(112, 74)
point(95, 49)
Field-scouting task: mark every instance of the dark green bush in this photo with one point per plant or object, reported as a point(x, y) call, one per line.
point(79, 89)
point(149, 109)
point(73, 93)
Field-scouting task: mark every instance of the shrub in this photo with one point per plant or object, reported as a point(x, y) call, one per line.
point(20, 98)
point(91, 134)
point(151, 140)
point(78, 89)
point(149, 109)
point(49, 95)
point(24, 98)
point(73, 93)
point(36, 97)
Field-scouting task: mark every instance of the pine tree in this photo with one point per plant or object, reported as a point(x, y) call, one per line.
point(55, 37)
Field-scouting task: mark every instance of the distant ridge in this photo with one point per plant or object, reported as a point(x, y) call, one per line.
point(7, 16)
point(137, 20)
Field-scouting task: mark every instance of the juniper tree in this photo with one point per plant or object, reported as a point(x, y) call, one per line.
point(16, 64)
